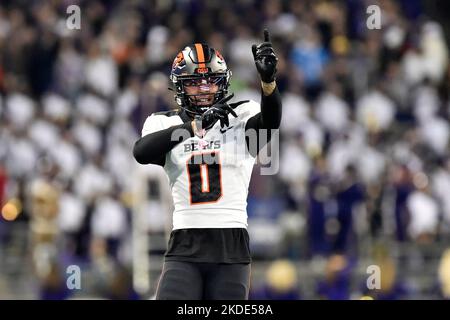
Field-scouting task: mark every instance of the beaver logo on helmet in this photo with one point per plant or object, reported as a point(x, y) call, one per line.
point(220, 56)
point(194, 62)
point(178, 62)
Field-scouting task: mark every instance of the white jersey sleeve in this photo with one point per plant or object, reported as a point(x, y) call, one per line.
point(152, 124)
point(247, 110)
point(160, 121)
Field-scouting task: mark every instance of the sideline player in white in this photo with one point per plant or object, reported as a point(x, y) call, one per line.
point(208, 156)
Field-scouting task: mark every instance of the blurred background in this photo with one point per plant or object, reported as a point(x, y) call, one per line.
point(364, 173)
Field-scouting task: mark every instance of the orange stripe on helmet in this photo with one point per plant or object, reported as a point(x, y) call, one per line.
point(200, 55)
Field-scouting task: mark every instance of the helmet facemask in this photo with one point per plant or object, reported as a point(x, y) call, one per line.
point(201, 92)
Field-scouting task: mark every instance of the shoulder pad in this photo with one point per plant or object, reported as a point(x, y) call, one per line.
point(169, 113)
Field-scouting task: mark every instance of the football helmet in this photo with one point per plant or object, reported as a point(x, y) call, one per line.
point(198, 64)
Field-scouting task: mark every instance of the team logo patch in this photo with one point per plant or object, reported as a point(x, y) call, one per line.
point(219, 55)
point(178, 60)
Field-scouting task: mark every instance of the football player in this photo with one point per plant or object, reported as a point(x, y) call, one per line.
point(208, 156)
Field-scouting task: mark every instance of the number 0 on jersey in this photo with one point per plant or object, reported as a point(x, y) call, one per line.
point(205, 177)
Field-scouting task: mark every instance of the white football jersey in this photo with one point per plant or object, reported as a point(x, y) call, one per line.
point(209, 177)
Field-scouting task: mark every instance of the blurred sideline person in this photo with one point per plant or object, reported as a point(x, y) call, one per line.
point(444, 275)
point(208, 158)
point(281, 283)
point(335, 284)
point(392, 286)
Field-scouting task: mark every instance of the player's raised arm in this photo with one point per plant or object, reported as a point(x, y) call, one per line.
point(266, 65)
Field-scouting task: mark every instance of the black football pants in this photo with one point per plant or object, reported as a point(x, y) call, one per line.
point(203, 281)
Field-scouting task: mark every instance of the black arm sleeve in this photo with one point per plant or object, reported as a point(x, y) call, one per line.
point(153, 147)
point(269, 118)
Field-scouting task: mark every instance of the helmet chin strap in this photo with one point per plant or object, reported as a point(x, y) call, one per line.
point(190, 108)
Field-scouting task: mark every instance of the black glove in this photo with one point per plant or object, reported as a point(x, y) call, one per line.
point(218, 111)
point(265, 59)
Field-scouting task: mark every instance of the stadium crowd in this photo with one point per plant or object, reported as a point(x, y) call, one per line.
point(364, 162)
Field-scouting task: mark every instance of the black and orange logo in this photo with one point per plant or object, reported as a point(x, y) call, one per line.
point(219, 55)
point(178, 59)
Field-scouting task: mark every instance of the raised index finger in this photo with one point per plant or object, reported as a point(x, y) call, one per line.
point(266, 35)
